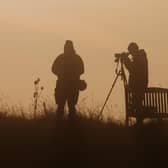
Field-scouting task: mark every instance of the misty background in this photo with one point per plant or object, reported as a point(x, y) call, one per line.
point(32, 34)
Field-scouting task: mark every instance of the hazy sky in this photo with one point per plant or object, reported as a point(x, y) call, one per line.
point(32, 34)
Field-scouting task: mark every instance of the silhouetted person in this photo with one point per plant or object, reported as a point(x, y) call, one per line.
point(67, 67)
point(138, 76)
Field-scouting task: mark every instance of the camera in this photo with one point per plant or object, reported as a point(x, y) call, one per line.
point(120, 55)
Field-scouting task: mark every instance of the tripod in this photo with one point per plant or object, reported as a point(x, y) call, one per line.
point(119, 73)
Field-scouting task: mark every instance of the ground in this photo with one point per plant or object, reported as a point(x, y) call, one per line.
point(47, 140)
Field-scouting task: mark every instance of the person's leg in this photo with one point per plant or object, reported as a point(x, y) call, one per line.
point(137, 103)
point(60, 111)
point(60, 99)
point(139, 111)
point(72, 101)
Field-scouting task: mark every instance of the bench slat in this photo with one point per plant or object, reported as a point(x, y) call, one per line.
point(155, 101)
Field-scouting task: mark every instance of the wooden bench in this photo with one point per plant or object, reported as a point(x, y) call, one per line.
point(155, 104)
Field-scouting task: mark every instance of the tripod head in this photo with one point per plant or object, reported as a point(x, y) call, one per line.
point(118, 56)
point(119, 72)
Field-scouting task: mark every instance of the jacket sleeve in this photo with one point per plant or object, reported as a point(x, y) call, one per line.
point(81, 66)
point(55, 66)
point(145, 63)
point(147, 75)
point(128, 64)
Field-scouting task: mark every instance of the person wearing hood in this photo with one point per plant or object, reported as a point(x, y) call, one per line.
point(68, 67)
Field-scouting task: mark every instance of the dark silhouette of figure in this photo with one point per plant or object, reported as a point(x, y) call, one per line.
point(138, 77)
point(67, 67)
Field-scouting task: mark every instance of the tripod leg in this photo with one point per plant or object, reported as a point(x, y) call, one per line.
point(101, 112)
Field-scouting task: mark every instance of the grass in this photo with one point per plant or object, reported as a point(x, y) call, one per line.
point(84, 139)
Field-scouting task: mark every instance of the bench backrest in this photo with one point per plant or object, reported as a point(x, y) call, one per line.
point(156, 98)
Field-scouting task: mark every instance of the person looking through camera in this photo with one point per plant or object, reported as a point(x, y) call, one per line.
point(137, 67)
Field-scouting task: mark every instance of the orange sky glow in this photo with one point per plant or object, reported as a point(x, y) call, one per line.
point(32, 34)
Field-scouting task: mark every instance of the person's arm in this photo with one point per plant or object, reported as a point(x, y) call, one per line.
point(147, 75)
point(53, 69)
point(81, 66)
point(145, 63)
point(56, 66)
point(127, 62)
